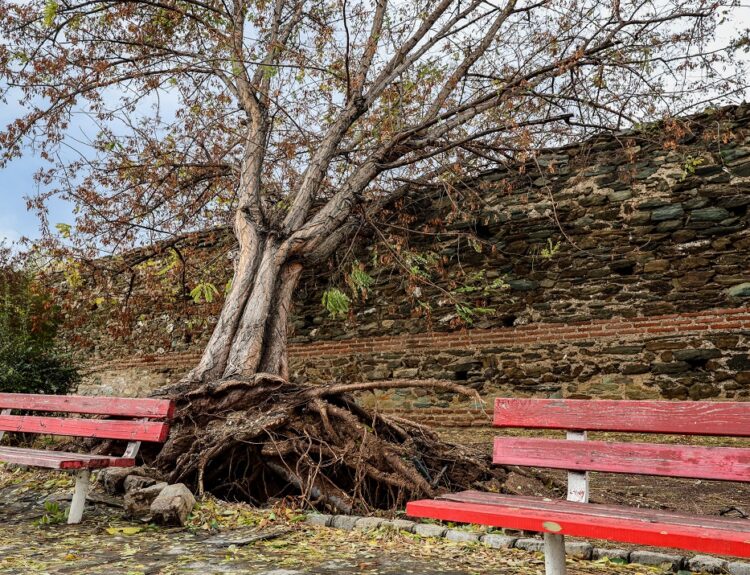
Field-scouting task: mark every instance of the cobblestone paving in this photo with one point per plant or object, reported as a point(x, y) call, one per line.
point(225, 538)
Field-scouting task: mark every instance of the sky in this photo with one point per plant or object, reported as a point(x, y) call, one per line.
point(17, 178)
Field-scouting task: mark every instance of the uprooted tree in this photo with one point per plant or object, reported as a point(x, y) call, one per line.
point(299, 122)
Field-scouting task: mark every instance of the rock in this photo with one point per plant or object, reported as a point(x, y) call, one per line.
point(656, 266)
point(618, 555)
point(461, 536)
point(657, 559)
point(429, 530)
point(696, 355)
point(706, 564)
point(522, 285)
point(738, 568)
point(740, 362)
point(173, 505)
point(113, 478)
point(530, 544)
point(138, 501)
point(133, 482)
point(319, 519)
point(701, 390)
point(497, 541)
point(579, 549)
point(404, 525)
point(346, 522)
point(712, 214)
point(740, 290)
point(669, 212)
point(621, 196)
point(368, 523)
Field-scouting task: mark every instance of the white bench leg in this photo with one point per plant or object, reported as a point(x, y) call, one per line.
point(554, 554)
point(79, 496)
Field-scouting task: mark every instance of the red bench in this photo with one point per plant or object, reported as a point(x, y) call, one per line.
point(576, 516)
point(146, 423)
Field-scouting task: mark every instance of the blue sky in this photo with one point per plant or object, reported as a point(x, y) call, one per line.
point(17, 178)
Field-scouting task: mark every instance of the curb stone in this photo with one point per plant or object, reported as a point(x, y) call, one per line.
point(579, 549)
point(497, 541)
point(346, 522)
point(618, 554)
point(368, 523)
point(404, 525)
point(461, 536)
point(530, 544)
point(429, 530)
point(657, 559)
point(319, 519)
point(706, 564)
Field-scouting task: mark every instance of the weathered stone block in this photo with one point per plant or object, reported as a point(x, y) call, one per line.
point(404, 525)
point(579, 549)
point(711, 214)
point(497, 541)
point(669, 212)
point(738, 568)
point(137, 503)
point(461, 536)
point(654, 558)
point(429, 530)
point(319, 519)
point(113, 478)
point(346, 522)
point(134, 481)
point(696, 355)
point(368, 523)
point(173, 505)
point(706, 564)
point(530, 544)
point(740, 290)
point(621, 555)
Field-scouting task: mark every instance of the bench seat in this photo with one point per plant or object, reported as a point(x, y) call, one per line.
point(578, 455)
point(703, 534)
point(61, 459)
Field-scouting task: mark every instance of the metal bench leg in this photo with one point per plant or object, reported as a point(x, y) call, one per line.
point(79, 496)
point(554, 554)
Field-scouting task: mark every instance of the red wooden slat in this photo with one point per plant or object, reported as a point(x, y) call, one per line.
point(596, 509)
point(115, 406)
point(724, 463)
point(575, 519)
point(61, 460)
point(730, 418)
point(100, 428)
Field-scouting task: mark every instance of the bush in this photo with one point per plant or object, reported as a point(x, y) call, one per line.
point(30, 360)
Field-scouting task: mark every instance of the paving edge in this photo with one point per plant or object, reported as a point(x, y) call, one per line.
point(576, 548)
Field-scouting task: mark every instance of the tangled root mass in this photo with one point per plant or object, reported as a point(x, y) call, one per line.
point(261, 438)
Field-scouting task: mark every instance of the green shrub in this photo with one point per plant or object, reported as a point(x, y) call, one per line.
point(30, 360)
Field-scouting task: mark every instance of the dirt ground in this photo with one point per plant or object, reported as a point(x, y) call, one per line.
point(234, 538)
point(228, 538)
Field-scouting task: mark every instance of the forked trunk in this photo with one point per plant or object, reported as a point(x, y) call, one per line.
point(251, 331)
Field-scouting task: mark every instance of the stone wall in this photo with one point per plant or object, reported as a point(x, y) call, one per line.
point(617, 268)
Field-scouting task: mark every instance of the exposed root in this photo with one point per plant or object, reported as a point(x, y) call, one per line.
point(262, 437)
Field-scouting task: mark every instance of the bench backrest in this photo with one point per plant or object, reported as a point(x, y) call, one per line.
point(664, 417)
point(146, 423)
